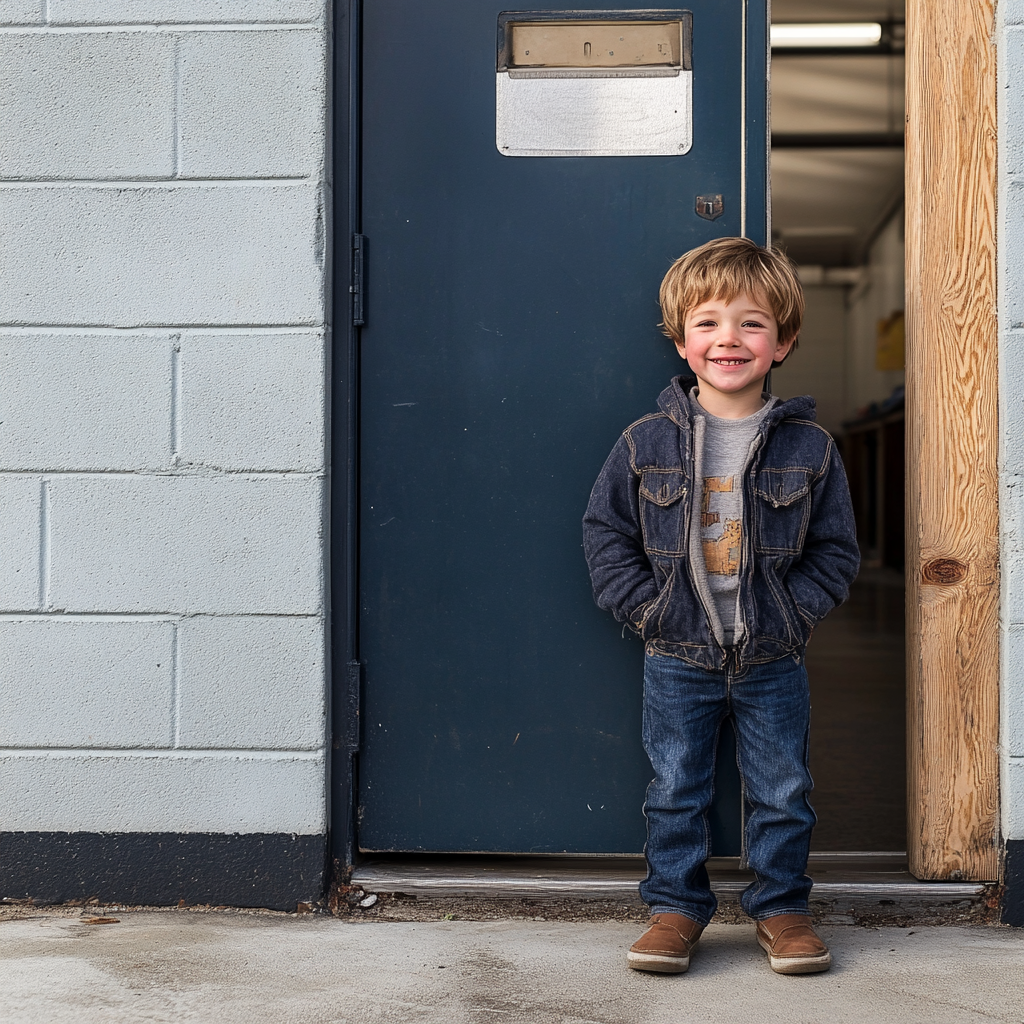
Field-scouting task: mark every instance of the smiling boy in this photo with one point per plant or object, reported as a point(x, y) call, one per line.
point(721, 530)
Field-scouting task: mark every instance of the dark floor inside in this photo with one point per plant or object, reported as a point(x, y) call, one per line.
point(856, 665)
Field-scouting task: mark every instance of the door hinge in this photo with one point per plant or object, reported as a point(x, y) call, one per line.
point(353, 702)
point(358, 286)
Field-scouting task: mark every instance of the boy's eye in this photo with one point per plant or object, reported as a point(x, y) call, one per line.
point(752, 323)
point(707, 323)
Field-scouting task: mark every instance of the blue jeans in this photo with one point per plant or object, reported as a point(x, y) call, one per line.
point(684, 708)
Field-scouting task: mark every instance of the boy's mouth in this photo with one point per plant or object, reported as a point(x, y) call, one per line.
point(729, 362)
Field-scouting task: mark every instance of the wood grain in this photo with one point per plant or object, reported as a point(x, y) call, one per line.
point(952, 495)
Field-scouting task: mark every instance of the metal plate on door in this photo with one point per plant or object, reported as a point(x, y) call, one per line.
point(595, 44)
point(594, 83)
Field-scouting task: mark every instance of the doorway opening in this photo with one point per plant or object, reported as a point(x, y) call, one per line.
point(838, 210)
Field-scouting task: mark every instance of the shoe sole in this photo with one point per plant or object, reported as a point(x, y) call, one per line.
point(658, 964)
point(796, 964)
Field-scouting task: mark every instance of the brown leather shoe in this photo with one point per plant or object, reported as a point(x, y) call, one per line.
point(666, 945)
point(792, 944)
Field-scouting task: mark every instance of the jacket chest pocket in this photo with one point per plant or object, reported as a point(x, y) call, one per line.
point(663, 511)
point(782, 510)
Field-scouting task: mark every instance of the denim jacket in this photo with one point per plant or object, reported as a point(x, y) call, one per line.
point(799, 550)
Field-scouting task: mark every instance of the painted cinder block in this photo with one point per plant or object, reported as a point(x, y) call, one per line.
point(1013, 689)
point(251, 682)
point(253, 401)
point(21, 12)
point(1010, 45)
point(252, 104)
point(167, 253)
point(1012, 579)
point(20, 504)
point(1011, 405)
point(162, 792)
point(85, 683)
point(166, 12)
point(1011, 12)
point(86, 105)
point(1011, 516)
point(92, 402)
point(222, 544)
point(1012, 519)
point(1011, 102)
point(1012, 793)
point(1011, 245)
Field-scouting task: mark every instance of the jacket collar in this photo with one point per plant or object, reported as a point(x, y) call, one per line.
point(673, 401)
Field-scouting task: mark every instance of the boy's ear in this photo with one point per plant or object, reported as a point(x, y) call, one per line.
point(782, 350)
point(680, 347)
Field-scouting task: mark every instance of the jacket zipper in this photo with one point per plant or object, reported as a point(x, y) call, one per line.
point(745, 555)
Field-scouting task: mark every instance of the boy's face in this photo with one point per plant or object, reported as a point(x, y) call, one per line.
point(731, 346)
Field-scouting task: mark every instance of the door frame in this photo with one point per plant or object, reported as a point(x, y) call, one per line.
point(952, 442)
point(343, 213)
point(952, 419)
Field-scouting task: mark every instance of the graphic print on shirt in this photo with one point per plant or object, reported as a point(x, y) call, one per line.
point(721, 543)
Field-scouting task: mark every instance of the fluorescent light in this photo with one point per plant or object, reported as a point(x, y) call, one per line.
point(818, 231)
point(826, 34)
point(841, 277)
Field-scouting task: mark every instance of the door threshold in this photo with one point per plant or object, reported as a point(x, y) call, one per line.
point(840, 876)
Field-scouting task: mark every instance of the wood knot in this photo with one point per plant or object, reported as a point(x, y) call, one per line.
point(943, 572)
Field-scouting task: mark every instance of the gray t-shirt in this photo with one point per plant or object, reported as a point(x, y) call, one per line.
point(718, 510)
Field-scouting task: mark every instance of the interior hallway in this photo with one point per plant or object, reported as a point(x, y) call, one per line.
point(837, 210)
point(856, 666)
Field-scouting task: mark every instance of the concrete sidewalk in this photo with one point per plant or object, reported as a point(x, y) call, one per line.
point(230, 967)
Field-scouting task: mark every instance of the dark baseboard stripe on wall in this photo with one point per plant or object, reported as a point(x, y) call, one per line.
point(1013, 884)
point(275, 871)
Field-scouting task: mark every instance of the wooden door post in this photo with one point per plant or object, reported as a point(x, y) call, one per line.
point(952, 432)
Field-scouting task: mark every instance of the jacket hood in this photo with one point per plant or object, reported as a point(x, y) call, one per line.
point(674, 402)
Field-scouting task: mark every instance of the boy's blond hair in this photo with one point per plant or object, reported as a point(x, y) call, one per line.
point(727, 267)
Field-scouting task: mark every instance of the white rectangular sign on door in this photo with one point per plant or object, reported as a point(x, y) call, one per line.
point(586, 84)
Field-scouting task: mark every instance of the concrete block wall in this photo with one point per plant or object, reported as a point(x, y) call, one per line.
point(1011, 405)
point(162, 444)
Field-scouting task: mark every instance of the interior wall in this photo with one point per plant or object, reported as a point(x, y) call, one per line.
point(818, 366)
point(878, 295)
point(836, 358)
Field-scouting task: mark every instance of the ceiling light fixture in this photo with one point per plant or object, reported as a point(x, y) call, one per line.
point(818, 231)
point(826, 34)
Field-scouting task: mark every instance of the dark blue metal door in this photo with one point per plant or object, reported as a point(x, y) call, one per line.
point(510, 334)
